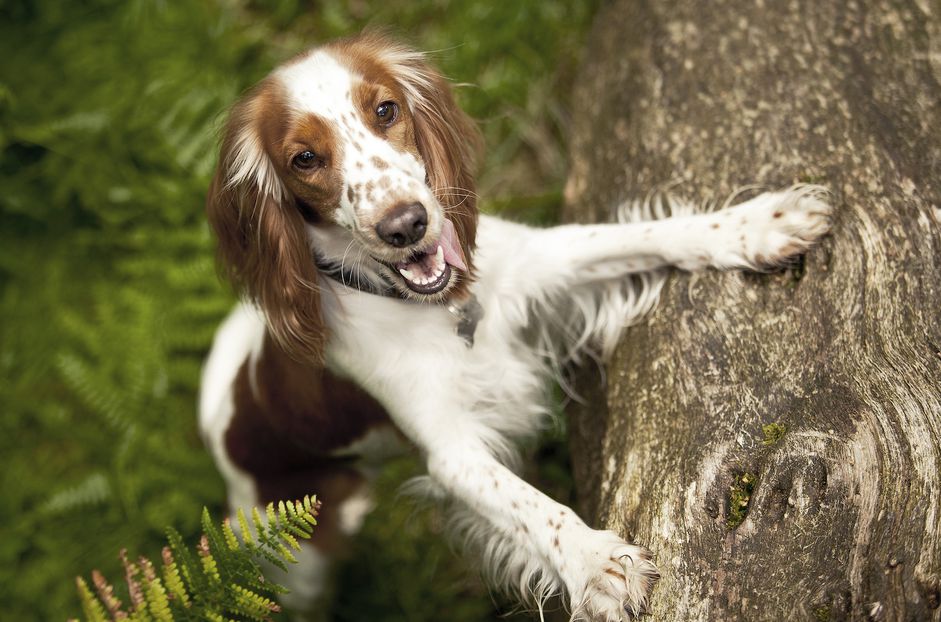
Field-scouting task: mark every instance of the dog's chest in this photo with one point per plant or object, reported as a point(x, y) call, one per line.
point(413, 360)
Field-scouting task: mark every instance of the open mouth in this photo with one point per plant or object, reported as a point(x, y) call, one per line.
point(426, 273)
point(429, 271)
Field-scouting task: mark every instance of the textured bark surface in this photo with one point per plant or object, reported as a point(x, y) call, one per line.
point(842, 516)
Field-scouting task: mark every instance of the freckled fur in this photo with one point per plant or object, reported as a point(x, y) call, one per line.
point(308, 360)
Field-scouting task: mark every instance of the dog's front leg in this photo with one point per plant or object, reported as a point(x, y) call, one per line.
point(438, 403)
point(603, 577)
point(762, 232)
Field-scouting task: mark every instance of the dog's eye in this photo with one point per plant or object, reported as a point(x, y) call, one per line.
point(307, 160)
point(387, 112)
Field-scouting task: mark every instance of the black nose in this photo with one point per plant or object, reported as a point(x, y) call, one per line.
point(404, 224)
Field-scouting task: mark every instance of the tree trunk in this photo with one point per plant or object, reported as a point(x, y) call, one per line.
point(774, 439)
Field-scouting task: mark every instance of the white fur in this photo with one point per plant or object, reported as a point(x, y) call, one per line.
point(467, 408)
point(238, 339)
point(549, 296)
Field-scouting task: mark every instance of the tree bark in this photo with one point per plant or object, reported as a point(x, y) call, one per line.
point(774, 439)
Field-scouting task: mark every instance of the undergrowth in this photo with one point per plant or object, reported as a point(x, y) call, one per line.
point(222, 581)
point(109, 113)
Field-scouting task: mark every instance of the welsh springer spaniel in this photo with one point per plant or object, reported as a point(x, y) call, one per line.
point(381, 311)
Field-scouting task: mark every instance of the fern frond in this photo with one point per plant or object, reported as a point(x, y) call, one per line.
point(106, 594)
point(93, 490)
point(210, 568)
point(252, 605)
point(223, 579)
point(133, 585)
point(171, 576)
point(258, 523)
point(185, 563)
point(91, 607)
point(285, 535)
point(158, 604)
point(244, 528)
point(230, 540)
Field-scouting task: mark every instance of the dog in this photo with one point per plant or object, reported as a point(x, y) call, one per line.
point(382, 312)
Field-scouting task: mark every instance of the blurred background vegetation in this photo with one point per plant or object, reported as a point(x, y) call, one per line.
point(109, 114)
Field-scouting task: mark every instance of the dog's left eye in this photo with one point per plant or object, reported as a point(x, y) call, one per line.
point(387, 112)
point(307, 160)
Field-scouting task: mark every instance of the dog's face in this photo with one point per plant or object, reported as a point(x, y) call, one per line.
point(357, 151)
point(343, 142)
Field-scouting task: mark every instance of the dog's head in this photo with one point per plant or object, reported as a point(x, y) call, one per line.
point(355, 152)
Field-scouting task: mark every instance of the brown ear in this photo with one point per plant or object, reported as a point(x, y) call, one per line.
point(263, 247)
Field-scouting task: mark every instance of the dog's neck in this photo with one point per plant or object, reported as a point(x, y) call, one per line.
point(356, 275)
point(335, 255)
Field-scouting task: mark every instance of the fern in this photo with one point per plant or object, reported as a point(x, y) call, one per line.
point(222, 581)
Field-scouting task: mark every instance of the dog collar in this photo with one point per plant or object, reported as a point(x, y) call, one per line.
point(350, 279)
point(468, 314)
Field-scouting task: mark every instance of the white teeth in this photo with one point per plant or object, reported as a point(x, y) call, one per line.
point(437, 270)
point(439, 262)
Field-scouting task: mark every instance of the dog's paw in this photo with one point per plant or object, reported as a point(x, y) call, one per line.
point(617, 582)
point(777, 226)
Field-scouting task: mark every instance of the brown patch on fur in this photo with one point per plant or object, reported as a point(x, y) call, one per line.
point(714, 225)
point(283, 432)
point(379, 85)
point(777, 214)
point(615, 573)
point(320, 186)
point(379, 163)
point(298, 413)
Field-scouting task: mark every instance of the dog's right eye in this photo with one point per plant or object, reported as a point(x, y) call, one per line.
point(307, 160)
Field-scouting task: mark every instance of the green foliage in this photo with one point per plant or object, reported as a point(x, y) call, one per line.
point(772, 433)
point(226, 584)
point(109, 113)
point(740, 493)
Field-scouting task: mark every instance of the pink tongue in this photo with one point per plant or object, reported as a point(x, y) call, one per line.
point(453, 254)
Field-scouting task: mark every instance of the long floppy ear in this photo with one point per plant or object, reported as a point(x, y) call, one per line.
point(447, 138)
point(263, 247)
